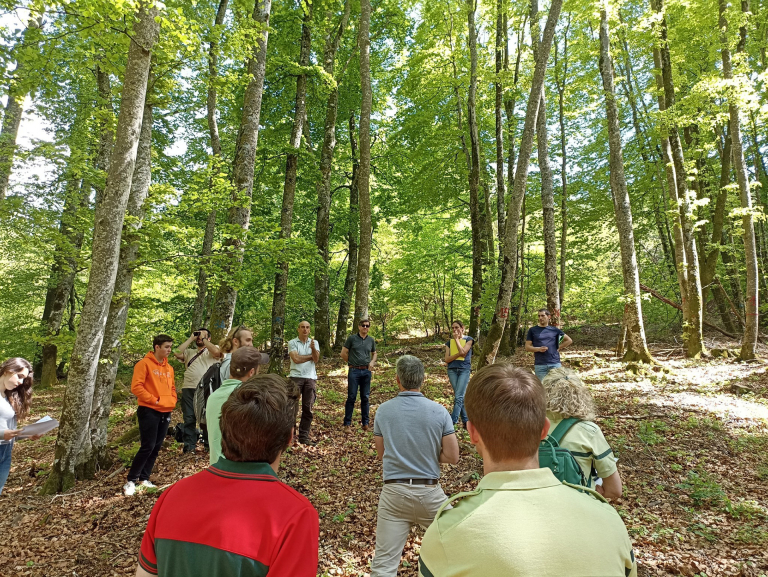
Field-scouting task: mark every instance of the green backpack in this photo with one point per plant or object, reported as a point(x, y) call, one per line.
point(560, 460)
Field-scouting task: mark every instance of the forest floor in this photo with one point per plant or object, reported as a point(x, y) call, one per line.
point(692, 448)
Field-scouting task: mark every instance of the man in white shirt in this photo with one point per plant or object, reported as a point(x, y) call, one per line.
point(305, 352)
point(197, 361)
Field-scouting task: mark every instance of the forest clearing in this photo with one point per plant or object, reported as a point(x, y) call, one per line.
point(693, 456)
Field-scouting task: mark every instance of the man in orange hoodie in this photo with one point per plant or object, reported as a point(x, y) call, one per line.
point(154, 386)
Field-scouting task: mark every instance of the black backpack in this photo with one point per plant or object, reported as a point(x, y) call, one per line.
point(559, 459)
point(210, 382)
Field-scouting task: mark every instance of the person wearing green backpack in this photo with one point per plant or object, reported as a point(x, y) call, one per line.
point(571, 413)
point(521, 520)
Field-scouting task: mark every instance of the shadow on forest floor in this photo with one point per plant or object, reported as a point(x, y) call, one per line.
point(693, 456)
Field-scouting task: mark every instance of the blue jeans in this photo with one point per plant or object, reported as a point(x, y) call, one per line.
point(459, 380)
point(5, 463)
point(358, 379)
point(543, 370)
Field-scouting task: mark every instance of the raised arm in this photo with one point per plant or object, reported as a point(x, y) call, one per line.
point(213, 349)
point(179, 354)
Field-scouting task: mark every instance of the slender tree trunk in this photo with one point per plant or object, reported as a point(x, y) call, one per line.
point(491, 346)
point(243, 169)
point(364, 173)
point(354, 231)
point(322, 282)
point(636, 346)
point(474, 179)
point(749, 339)
point(277, 337)
point(17, 92)
point(563, 157)
point(198, 312)
point(501, 36)
point(692, 330)
point(94, 453)
point(547, 188)
point(78, 397)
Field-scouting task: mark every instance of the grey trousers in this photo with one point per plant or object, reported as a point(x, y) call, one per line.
point(400, 507)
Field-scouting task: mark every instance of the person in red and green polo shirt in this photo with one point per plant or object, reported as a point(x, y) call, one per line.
point(237, 517)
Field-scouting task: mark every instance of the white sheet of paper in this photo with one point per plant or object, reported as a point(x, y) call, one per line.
point(40, 427)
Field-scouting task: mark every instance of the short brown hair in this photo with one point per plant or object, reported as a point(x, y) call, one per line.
point(258, 418)
point(508, 407)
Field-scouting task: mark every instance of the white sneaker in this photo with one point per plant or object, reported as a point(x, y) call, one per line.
point(129, 488)
point(148, 485)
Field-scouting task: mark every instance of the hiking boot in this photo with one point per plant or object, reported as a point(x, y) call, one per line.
point(148, 484)
point(347, 429)
point(129, 488)
point(308, 442)
point(365, 428)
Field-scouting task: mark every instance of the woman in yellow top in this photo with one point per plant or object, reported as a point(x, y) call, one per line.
point(458, 357)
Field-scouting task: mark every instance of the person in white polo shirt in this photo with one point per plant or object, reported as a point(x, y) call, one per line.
point(305, 352)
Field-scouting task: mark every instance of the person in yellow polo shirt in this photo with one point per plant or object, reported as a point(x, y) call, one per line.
point(568, 397)
point(521, 521)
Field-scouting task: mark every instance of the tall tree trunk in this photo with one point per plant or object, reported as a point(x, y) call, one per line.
point(636, 346)
point(243, 169)
point(501, 36)
point(277, 336)
point(749, 339)
point(547, 188)
point(354, 232)
point(110, 214)
point(491, 346)
point(364, 174)
point(563, 157)
point(94, 452)
point(692, 330)
point(198, 312)
point(69, 243)
point(17, 92)
point(322, 282)
point(474, 179)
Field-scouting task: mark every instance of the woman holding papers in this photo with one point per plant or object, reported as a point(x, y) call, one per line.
point(458, 357)
point(15, 397)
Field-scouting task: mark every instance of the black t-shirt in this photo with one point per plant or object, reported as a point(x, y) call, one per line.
point(545, 337)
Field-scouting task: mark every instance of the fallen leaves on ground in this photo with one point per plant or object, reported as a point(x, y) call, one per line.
point(693, 456)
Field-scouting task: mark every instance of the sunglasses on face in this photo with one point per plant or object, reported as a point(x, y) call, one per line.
point(365, 326)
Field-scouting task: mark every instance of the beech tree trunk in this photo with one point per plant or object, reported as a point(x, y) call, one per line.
point(563, 158)
point(364, 174)
point(110, 214)
point(277, 336)
point(501, 35)
point(491, 346)
point(72, 234)
point(198, 312)
point(354, 231)
point(243, 169)
point(692, 329)
point(749, 339)
point(94, 452)
point(636, 345)
point(17, 92)
point(322, 330)
point(474, 179)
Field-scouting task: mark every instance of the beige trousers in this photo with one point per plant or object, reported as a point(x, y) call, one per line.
point(400, 507)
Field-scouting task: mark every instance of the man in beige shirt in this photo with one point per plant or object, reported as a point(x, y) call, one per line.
point(521, 521)
point(196, 361)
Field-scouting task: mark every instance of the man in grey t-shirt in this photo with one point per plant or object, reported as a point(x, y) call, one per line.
point(359, 352)
point(413, 436)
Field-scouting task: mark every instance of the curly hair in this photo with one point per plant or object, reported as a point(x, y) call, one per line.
point(568, 396)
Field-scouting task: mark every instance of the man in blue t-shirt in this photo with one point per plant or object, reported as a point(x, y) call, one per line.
point(544, 341)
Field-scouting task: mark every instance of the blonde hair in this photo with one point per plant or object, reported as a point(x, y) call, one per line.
point(226, 345)
point(567, 395)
